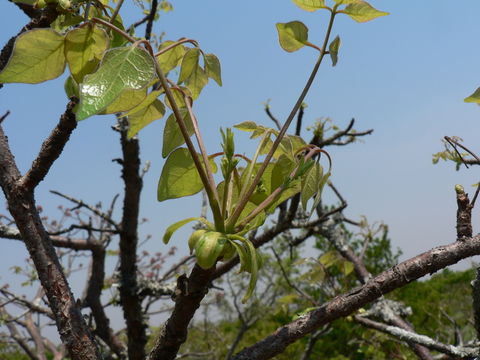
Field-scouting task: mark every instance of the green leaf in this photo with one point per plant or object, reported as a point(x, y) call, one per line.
point(180, 176)
point(146, 115)
point(121, 68)
point(212, 68)
point(170, 59)
point(474, 98)
point(362, 11)
point(251, 261)
point(333, 50)
point(71, 87)
point(197, 81)
point(147, 101)
point(172, 136)
point(178, 96)
point(84, 48)
point(281, 171)
point(346, 2)
point(127, 100)
point(189, 64)
point(246, 126)
point(292, 36)
point(310, 183)
point(174, 227)
point(318, 195)
point(310, 5)
point(329, 258)
point(37, 56)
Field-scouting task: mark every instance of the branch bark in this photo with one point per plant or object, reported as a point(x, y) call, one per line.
point(342, 305)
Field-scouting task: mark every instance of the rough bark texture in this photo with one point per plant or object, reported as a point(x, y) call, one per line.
point(129, 297)
point(342, 305)
point(21, 203)
point(188, 295)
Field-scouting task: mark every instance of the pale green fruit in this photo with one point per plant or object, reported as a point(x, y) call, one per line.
point(192, 241)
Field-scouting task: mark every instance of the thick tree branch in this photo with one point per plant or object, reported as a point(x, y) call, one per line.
point(188, 295)
point(21, 203)
point(129, 297)
point(342, 305)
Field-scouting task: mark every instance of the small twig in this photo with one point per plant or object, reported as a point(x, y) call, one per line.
point(151, 18)
point(273, 118)
point(4, 116)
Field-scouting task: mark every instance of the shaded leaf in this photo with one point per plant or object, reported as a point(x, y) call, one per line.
point(212, 68)
point(84, 48)
point(147, 101)
point(310, 183)
point(172, 136)
point(143, 117)
point(189, 64)
point(292, 36)
point(170, 59)
point(121, 68)
point(37, 56)
point(127, 100)
point(333, 50)
point(474, 98)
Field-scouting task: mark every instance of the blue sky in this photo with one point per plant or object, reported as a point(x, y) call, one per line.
point(404, 75)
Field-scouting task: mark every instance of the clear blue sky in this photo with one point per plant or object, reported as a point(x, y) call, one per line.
point(404, 75)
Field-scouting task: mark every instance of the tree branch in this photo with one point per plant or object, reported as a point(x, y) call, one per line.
point(342, 305)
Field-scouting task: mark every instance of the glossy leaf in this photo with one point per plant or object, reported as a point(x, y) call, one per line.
point(179, 176)
point(71, 87)
point(333, 50)
point(37, 56)
point(189, 64)
point(172, 136)
point(84, 48)
point(474, 98)
point(127, 100)
point(121, 68)
point(213, 69)
point(292, 36)
point(146, 115)
point(310, 5)
point(363, 11)
point(170, 59)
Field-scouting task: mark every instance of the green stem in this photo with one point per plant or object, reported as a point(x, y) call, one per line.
point(243, 200)
point(203, 150)
point(214, 205)
point(114, 28)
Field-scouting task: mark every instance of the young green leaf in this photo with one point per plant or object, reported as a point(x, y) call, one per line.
point(138, 120)
point(71, 87)
point(246, 126)
point(121, 68)
point(196, 81)
point(146, 102)
point(310, 5)
point(362, 11)
point(37, 57)
point(292, 36)
point(333, 50)
point(172, 136)
point(212, 68)
point(474, 98)
point(178, 96)
point(318, 195)
point(252, 261)
point(84, 48)
point(189, 64)
point(127, 100)
point(179, 176)
point(310, 183)
point(171, 58)
point(174, 227)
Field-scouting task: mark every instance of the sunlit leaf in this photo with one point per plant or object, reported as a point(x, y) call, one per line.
point(178, 97)
point(333, 50)
point(127, 100)
point(362, 11)
point(174, 227)
point(146, 115)
point(179, 176)
point(84, 48)
point(121, 68)
point(212, 68)
point(147, 101)
point(171, 58)
point(189, 64)
point(37, 56)
point(246, 126)
point(71, 87)
point(310, 5)
point(172, 136)
point(474, 98)
point(292, 35)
